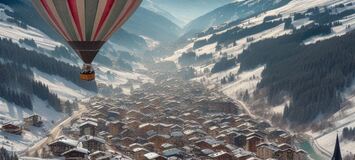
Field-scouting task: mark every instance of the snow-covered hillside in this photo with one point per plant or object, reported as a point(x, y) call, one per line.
point(15, 114)
point(65, 89)
point(16, 33)
point(343, 118)
point(233, 50)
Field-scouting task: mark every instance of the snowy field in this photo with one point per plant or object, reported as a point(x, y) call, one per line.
point(341, 119)
point(11, 31)
point(244, 81)
point(15, 114)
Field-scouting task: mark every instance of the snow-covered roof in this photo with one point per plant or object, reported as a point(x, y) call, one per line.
point(151, 155)
point(78, 149)
point(213, 155)
point(207, 151)
point(89, 137)
point(66, 140)
point(176, 134)
point(88, 123)
point(172, 152)
point(139, 149)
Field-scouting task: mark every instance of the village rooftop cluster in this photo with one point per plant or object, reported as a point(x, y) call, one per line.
point(171, 119)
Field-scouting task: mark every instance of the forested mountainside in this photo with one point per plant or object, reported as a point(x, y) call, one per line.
point(237, 33)
point(17, 81)
point(147, 23)
point(13, 53)
point(6, 155)
point(313, 75)
point(237, 10)
point(17, 86)
point(298, 64)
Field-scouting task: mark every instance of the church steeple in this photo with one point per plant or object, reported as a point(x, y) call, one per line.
point(337, 152)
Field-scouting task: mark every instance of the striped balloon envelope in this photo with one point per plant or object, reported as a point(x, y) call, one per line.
point(86, 24)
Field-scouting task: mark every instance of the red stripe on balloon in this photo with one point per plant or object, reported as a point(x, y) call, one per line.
point(74, 12)
point(105, 14)
point(131, 6)
point(51, 16)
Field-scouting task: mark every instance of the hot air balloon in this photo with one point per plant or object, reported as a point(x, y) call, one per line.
point(86, 24)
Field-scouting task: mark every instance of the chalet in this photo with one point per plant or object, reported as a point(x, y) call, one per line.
point(158, 140)
point(263, 125)
point(105, 135)
point(143, 128)
point(177, 138)
point(176, 128)
point(101, 125)
point(133, 124)
point(200, 119)
point(126, 141)
point(12, 128)
point(163, 128)
point(88, 128)
point(285, 154)
point(300, 155)
point(284, 146)
point(238, 122)
point(265, 150)
point(148, 110)
point(92, 143)
point(207, 152)
point(33, 120)
point(204, 144)
point(172, 120)
point(76, 154)
point(243, 126)
point(97, 154)
point(166, 146)
point(273, 133)
point(141, 140)
point(113, 115)
point(115, 127)
point(240, 140)
point(229, 137)
point(252, 142)
point(194, 133)
point(220, 147)
point(221, 137)
point(284, 138)
point(128, 132)
point(149, 146)
point(134, 113)
point(61, 145)
point(241, 154)
point(138, 153)
point(134, 145)
point(213, 130)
